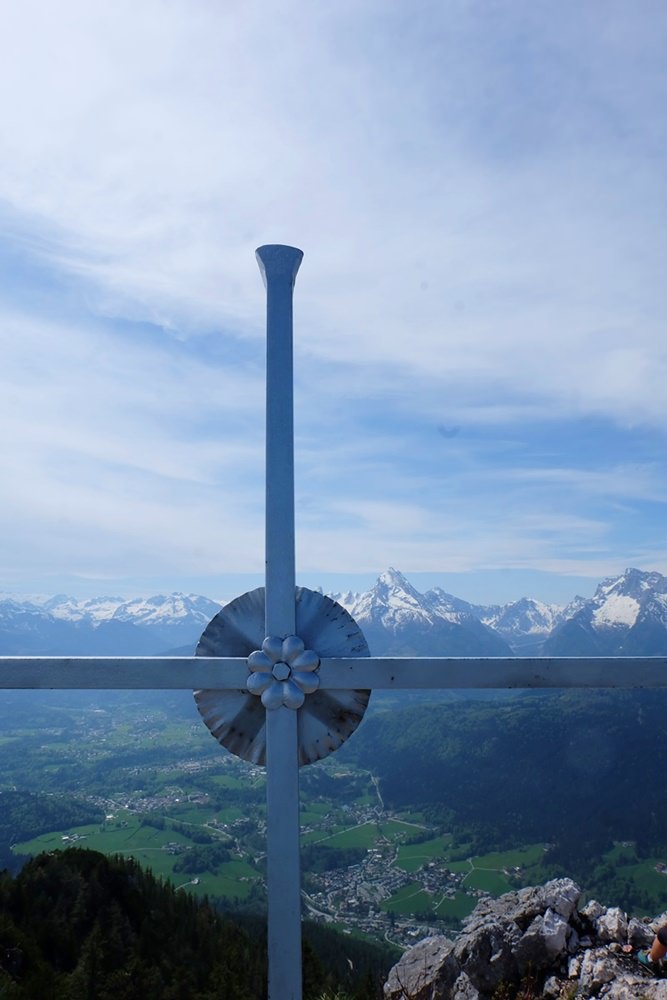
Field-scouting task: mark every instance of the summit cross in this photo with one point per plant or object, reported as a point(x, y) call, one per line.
point(282, 675)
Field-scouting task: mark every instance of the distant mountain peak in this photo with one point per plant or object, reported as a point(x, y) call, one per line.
point(626, 616)
point(393, 582)
point(632, 583)
point(618, 600)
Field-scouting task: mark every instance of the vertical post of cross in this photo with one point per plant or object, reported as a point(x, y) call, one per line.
point(279, 266)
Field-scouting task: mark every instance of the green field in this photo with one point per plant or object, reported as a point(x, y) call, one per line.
point(229, 814)
point(356, 836)
point(319, 836)
point(366, 835)
point(523, 857)
point(411, 857)
point(394, 829)
point(124, 837)
point(148, 845)
point(232, 782)
point(457, 908)
point(460, 867)
point(490, 881)
point(409, 899)
point(234, 880)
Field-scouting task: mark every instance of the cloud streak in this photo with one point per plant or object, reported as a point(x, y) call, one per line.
point(480, 194)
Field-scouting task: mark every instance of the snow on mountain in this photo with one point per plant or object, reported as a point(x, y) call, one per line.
point(617, 609)
point(93, 610)
point(524, 617)
point(525, 624)
point(573, 608)
point(618, 601)
point(170, 611)
point(657, 606)
point(398, 620)
point(392, 601)
point(450, 607)
point(627, 615)
point(347, 598)
point(103, 625)
point(161, 611)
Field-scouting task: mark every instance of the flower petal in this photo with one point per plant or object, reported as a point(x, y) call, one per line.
point(292, 647)
point(259, 682)
point(273, 647)
point(308, 660)
point(308, 682)
point(273, 696)
point(293, 697)
point(260, 661)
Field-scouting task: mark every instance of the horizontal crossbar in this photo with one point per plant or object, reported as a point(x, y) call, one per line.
point(500, 672)
point(116, 673)
point(398, 673)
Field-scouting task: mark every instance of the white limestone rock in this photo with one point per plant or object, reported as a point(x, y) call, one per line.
point(544, 942)
point(598, 967)
point(640, 933)
point(521, 936)
point(463, 989)
point(612, 925)
point(592, 910)
point(425, 972)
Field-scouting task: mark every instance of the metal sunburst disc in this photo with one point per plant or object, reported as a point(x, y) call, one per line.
point(282, 672)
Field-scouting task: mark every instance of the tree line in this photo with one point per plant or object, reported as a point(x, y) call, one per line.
point(77, 925)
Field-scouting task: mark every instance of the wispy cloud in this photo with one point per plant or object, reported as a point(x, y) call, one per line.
point(480, 193)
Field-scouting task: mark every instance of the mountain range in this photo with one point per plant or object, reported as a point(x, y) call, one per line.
point(627, 615)
point(102, 626)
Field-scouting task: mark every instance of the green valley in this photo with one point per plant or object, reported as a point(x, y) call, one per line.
point(142, 779)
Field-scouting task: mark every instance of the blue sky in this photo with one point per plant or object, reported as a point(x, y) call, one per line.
point(480, 192)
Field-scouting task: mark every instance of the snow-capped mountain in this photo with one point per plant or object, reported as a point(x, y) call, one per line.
point(626, 616)
point(175, 618)
point(63, 625)
point(398, 620)
point(524, 624)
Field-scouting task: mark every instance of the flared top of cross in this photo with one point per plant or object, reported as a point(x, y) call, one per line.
point(278, 261)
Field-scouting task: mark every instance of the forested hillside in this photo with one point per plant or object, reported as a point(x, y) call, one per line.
point(24, 815)
point(576, 770)
point(76, 925)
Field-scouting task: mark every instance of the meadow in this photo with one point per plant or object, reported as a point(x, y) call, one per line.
point(168, 790)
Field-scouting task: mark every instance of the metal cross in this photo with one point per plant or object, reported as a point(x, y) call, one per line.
point(282, 675)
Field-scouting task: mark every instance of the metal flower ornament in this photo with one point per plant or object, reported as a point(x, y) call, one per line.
point(283, 672)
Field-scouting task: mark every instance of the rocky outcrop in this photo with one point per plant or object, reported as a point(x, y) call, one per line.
point(534, 942)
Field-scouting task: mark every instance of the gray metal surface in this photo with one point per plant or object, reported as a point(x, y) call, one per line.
point(278, 266)
point(118, 673)
point(401, 673)
point(336, 673)
point(325, 720)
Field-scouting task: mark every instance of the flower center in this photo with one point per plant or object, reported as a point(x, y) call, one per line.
point(281, 670)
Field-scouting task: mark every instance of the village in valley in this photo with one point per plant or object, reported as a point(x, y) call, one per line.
point(195, 814)
point(156, 787)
